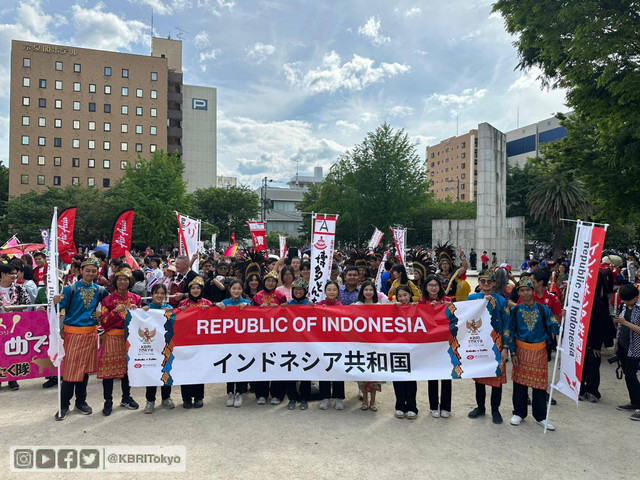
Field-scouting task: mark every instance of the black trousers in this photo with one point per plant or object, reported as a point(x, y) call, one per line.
point(236, 387)
point(481, 395)
point(445, 395)
point(590, 374)
point(538, 401)
point(165, 392)
point(332, 390)
point(107, 387)
point(301, 396)
point(195, 392)
point(79, 388)
point(277, 389)
point(406, 393)
point(630, 369)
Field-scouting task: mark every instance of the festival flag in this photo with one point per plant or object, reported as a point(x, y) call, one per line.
point(283, 245)
point(213, 242)
point(233, 248)
point(189, 235)
point(56, 347)
point(380, 271)
point(258, 235)
point(400, 239)
point(131, 261)
point(121, 236)
point(44, 233)
point(587, 252)
point(375, 239)
point(324, 234)
point(66, 244)
point(10, 243)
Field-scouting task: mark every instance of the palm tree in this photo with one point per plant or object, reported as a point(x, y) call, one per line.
point(555, 197)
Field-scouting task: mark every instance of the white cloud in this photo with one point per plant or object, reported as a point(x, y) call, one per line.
point(401, 111)
point(466, 98)
point(470, 35)
point(412, 12)
point(260, 51)
point(201, 40)
point(216, 6)
point(332, 76)
point(206, 56)
point(102, 30)
point(32, 23)
point(4, 141)
point(347, 125)
point(422, 140)
point(371, 30)
point(367, 116)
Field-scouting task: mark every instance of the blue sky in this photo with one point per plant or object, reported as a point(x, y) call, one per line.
point(300, 82)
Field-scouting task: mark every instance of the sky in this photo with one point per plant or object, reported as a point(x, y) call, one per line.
point(300, 82)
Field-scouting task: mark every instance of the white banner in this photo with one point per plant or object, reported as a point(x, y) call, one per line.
point(189, 233)
point(400, 240)
point(56, 347)
point(355, 342)
point(283, 245)
point(380, 272)
point(213, 242)
point(375, 239)
point(322, 245)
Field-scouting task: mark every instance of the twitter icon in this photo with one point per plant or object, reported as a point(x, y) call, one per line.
point(89, 458)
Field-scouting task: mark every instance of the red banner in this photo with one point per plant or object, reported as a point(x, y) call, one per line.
point(66, 244)
point(258, 235)
point(121, 237)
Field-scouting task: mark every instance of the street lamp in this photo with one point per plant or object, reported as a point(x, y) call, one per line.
point(456, 188)
point(264, 200)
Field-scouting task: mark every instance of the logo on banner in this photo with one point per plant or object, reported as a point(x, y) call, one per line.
point(474, 325)
point(146, 336)
point(320, 244)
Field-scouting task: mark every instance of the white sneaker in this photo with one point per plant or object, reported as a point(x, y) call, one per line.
point(412, 415)
point(237, 400)
point(435, 413)
point(545, 423)
point(400, 414)
point(445, 413)
point(275, 401)
point(262, 400)
point(339, 405)
point(324, 404)
point(229, 399)
point(516, 420)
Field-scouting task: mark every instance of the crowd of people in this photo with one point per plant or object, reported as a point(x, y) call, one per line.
point(525, 316)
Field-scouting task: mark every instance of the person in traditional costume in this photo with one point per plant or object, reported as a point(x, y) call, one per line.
point(359, 260)
point(193, 395)
point(255, 262)
point(453, 278)
point(422, 266)
point(40, 272)
point(80, 302)
point(500, 323)
point(113, 360)
point(399, 275)
point(531, 326)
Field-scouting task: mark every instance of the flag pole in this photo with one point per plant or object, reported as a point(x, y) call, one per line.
point(58, 369)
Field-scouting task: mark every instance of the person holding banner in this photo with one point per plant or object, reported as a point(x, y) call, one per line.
point(406, 392)
point(628, 346)
point(299, 290)
point(400, 277)
point(531, 326)
point(286, 277)
point(500, 324)
point(113, 360)
point(80, 301)
point(331, 389)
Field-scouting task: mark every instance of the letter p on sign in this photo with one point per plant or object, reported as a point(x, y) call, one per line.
point(199, 103)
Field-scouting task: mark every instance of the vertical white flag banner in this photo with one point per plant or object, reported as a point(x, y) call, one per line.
point(400, 239)
point(375, 239)
point(578, 305)
point(189, 235)
point(213, 242)
point(56, 348)
point(380, 271)
point(283, 245)
point(322, 246)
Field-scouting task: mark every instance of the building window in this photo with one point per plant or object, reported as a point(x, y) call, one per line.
point(57, 104)
point(92, 145)
point(26, 82)
point(41, 161)
point(106, 164)
point(92, 88)
point(57, 161)
point(106, 145)
point(462, 176)
point(153, 130)
point(25, 121)
point(138, 111)
point(139, 92)
point(58, 85)
point(75, 162)
point(154, 76)
point(124, 146)
point(92, 163)
point(26, 101)
point(42, 122)
point(24, 159)
point(25, 140)
point(76, 86)
point(107, 71)
point(107, 126)
point(124, 128)
point(59, 66)
point(75, 180)
point(92, 106)
point(42, 103)
point(462, 196)
point(125, 91)
point(462, 186)
point(124, 110)
point(154, 112)
point(57, 122)
point(75, 143)
point(92, 125)
point(24, 179)
point(76, 124)
point(107, 108)
point(41, 141)
point(463, 144)
point(138, 147)
point(462, 155)
point(56, 180)
point(40, 179)
point(57, 142)
point(76, 67)
point(463, 165)
point(139, 129)
point(153, 147)
point(26, 62)
point(91, 182)
point(123, 164)
point(107, 89)
point(42, 83)
point(153, 94)
point(125, 73)
point(76, 105)
point(106, 183)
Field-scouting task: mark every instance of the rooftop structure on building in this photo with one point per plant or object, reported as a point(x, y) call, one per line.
point(303, 181)
point(80, 116)
point(524, 142)
point(227, 182)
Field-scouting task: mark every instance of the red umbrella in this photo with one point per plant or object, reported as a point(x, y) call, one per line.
point(22, 248)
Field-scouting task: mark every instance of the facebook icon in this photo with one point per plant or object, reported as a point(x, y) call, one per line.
point(67, 458)
point(199, 103)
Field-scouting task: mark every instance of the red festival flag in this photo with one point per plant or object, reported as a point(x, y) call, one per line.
point(121, 237)
point(66, 244)
point(258, 235)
